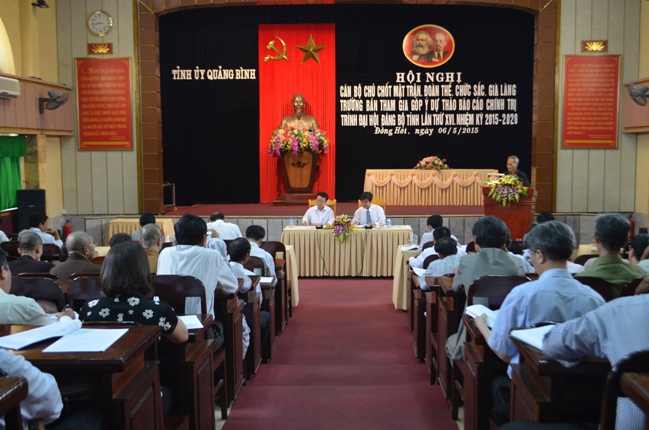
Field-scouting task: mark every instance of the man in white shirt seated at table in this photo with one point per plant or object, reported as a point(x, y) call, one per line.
point(368, 214)
point(320, 214)
point(225, 230)
point(40, 224)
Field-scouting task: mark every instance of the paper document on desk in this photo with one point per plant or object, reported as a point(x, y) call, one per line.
point(29, 337)
point(476, 310)
point(410, 247)
point(191, 321)
point(266, 280)
point(532, 336)
point(419, 271)
point(87, 340)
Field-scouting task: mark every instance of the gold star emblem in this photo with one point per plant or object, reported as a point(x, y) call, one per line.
point(311, 50)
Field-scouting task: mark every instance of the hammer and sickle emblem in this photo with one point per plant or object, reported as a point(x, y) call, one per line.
point(271, 45)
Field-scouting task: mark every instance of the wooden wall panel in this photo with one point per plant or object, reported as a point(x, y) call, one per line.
point(600, 180)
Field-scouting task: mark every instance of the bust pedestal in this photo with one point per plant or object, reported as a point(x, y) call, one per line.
point(299, 173)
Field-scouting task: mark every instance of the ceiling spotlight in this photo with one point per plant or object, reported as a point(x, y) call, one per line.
point(41, 3)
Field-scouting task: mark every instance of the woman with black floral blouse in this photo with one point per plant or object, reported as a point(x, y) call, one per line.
point(126, 282)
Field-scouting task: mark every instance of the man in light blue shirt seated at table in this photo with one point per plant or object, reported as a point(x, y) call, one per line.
point(368, 214)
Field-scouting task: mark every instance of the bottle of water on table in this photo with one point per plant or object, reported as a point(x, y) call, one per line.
point(388, 222)
point(290, 222)
point(414, 239)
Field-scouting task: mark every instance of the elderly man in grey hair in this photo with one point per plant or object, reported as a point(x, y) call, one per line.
point(30, 249)
point(81, 249)
point(151, 241)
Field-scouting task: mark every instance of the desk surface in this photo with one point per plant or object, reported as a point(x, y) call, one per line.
point(365, 253)
point(115, 359)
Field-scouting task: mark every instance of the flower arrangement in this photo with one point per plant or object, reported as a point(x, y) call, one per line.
point(341, 227)
point(507, 189)
point(298, 140)
point(431, 163)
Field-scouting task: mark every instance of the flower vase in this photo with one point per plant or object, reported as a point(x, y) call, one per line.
point(299, 171)
point(517, 216)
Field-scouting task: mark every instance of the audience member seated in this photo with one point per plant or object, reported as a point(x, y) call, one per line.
point(368, 214)
point(544, 216)
point(40, 224)
point(433, 222)
point(611, 232)
point(225, 230)
point(612, 331)
point(219, 245)
point(145, 218)
point(556, 296)
point(190, 257)
point(81, 249)
point(18, 309)
point(126, 282)
point(438, 233)
point(515, 249)
point(119, 238)
point(30, 248)
point(255, 235)
point(239, 250)
point(320, 214)
point(490, 235)
point(637, 247)
point(151, 241)
point(3, 237)
point(448, 260)
point(43, 401)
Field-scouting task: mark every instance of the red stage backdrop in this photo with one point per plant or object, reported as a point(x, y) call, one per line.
point(279, 80)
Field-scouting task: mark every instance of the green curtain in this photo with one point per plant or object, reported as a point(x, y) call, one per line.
point(11, 149)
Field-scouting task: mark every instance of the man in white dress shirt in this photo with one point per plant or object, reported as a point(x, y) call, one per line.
point(40, 224)
point(255, 235)
point(438, 233)
point(368, 213)
point(190, 257)
point(320, 214)
point(447, 263)
point(226, 230)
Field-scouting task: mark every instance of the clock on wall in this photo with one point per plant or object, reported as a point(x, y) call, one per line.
point(100, 23)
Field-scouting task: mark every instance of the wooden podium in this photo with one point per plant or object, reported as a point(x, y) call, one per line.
point(299, 174)
point(517, 216)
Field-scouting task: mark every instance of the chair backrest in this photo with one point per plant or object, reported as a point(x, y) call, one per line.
point(83, 288)
point(604, 288)
point(12, 391)
point(331, 203)
point(85, 275)
point(256, 265)
point(39, 289)
point(51, 252)
point(166, 245)
point(636, 362)
point(98, 260)
point(377, 202)
point(470, 247)
point(493, 289)
point(430, 259)
point(174, 289)
point(11, 248)
point(427, 245)
point(35, 275)
point(273, 247)
point(582, 259)
point(629, 288)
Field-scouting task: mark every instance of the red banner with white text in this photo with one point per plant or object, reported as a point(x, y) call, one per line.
point(285, 70)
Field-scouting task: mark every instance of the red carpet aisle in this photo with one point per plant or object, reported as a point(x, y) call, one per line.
point(344, 361)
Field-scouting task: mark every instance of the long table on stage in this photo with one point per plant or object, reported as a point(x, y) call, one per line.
point(367, 253)
point(409, 187)
point(129, 225)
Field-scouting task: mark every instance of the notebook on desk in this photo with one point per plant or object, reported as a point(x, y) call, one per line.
point(532, 336)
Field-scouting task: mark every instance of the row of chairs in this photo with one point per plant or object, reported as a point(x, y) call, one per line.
point(443, 316)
